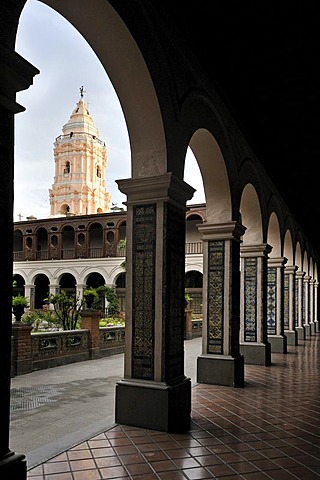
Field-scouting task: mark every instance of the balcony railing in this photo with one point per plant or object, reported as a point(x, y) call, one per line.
point(192, 248)
point(17, 256)
point(95, 252)
point(42, 254)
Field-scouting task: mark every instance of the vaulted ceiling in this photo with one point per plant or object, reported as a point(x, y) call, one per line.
point(264, 60)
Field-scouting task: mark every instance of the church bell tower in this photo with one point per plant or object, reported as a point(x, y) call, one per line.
point(80, 157)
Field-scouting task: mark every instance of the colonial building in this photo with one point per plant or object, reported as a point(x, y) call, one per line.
point(82, 242)
point(225, 80)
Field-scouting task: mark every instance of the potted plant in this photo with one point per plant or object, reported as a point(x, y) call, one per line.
point(90, 294)
point(19, 303)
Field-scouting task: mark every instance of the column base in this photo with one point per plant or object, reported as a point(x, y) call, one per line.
point(278, 343)
point(157, 406)
point(307, 330)
point(256, 353)
point(292, 337)
point(300, 333)
point(13, 466)
point(312, 328)
point(316, 323)
point(220, 370)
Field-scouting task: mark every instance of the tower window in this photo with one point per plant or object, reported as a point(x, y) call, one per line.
point(67, 168)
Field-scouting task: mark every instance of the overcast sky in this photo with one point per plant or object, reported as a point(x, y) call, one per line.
point(66, 62)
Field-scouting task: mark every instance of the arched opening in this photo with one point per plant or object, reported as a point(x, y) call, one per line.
point(42, 289)
point(121, 290)
point(17, 245)
point(18, 285)
point(193, 240)
point(95, 240)
point(67, 283)
point(42, 244)
point(95, 280)
point(193, 284)
point(68, 236)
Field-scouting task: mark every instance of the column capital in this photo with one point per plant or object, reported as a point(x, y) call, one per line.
point(158, 188)
point(261, 250)
point(16, 75)
point(290, 269)
point(221, 231)
point(277, 261)
point(300, 274)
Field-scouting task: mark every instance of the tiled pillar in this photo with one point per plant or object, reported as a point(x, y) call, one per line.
point(299, 305)
point(221, 362)
point(275, 305)
point(290, 305)
point(154, 392)
point(254, 344)
point(306, 306)
point(16, 75)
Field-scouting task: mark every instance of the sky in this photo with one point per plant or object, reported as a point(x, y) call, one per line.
point(66, 62)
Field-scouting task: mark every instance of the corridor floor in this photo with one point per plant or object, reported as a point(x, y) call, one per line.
point(270, 429)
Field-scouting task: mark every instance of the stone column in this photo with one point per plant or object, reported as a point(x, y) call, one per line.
point(311, 306)
point(54, 289)
point(188, 324)
point(29, 293)
point(154, 392)
point(80, 288)
point(315, 311)
point(299, 305)
point(254, 344)
point(306, 306)
point(290, 305)
point(275, 305)
point(16, 74)
point(221, 362)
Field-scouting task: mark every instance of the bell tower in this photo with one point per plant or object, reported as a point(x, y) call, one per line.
point(79, 186)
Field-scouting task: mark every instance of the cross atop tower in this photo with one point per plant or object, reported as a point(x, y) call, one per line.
point(82, 91)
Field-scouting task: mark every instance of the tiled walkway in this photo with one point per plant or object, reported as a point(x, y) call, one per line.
point(270, 429)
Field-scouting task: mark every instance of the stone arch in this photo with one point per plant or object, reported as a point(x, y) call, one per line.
point(288, 250)
point(211, 145)
point(250, 210)
point(92, 270)
point(122, 59)
point(216, 186)
point(67, 282)
point(274, 236)
point(298, 255)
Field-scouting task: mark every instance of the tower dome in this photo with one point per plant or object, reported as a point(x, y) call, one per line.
point(80, 157)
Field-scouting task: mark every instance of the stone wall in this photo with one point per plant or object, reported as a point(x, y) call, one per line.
point(40, 350)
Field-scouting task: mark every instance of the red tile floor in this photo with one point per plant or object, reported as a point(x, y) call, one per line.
point(270, 429)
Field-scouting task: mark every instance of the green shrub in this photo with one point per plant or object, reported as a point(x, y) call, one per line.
point(41, 320)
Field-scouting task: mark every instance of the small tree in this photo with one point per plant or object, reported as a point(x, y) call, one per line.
point(67, 308)
point(111, 295)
